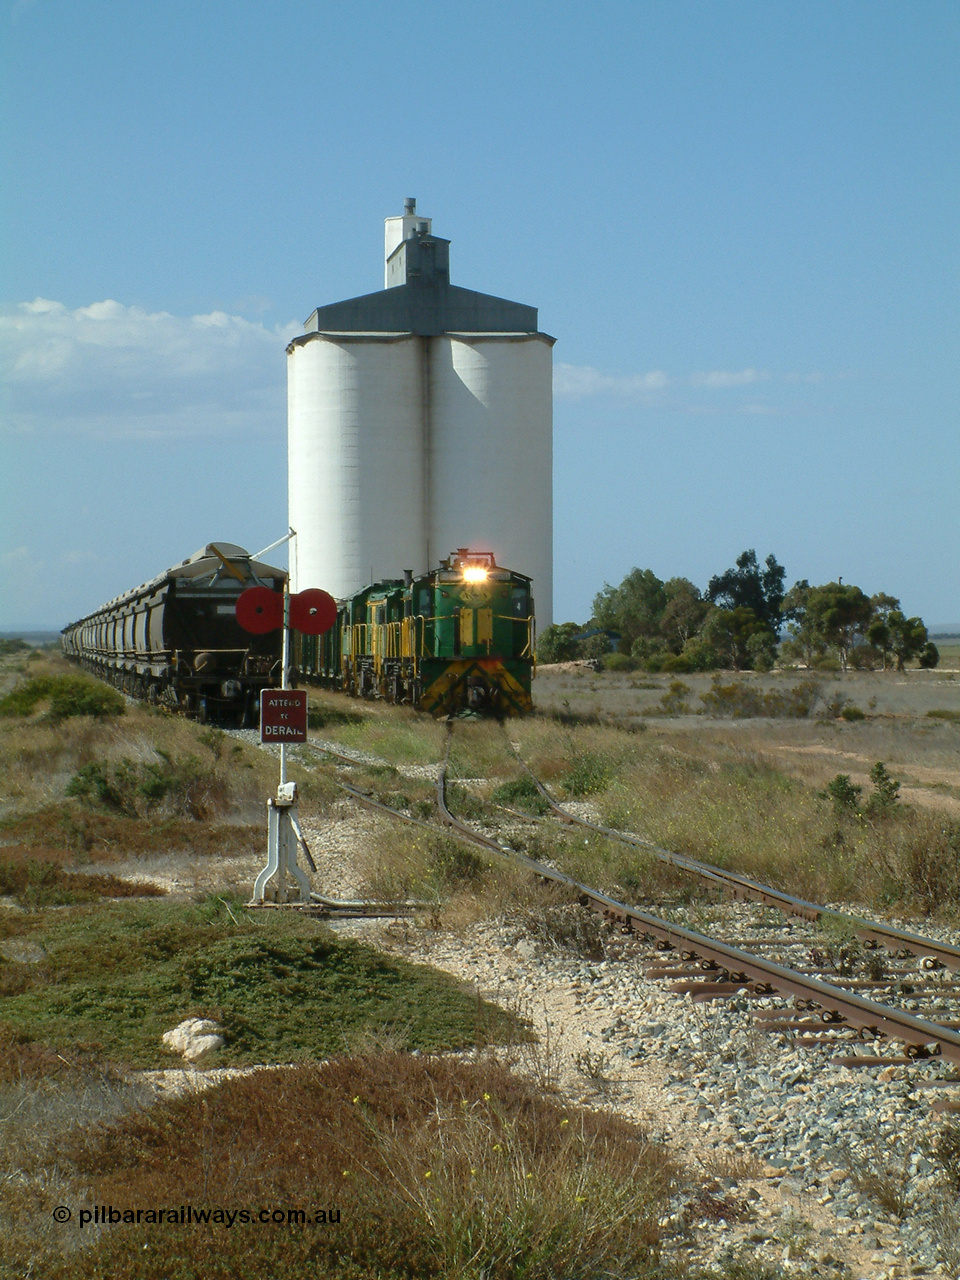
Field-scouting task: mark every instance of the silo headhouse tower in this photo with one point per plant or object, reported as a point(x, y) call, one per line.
point(420, 420)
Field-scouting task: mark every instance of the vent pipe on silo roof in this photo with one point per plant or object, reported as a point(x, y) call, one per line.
point(409, 206)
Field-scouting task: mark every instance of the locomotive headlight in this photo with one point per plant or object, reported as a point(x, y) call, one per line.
point(474, 573)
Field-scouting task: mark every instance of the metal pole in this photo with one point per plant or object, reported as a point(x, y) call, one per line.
point(285, 663)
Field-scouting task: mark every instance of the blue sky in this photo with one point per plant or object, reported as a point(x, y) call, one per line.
point(740, 220)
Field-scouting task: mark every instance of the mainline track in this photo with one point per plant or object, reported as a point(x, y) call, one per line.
point(724, 970)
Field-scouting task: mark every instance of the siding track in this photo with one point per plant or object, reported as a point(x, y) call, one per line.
point(711, 968)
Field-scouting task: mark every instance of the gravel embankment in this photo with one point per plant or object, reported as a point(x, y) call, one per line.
point(783, 1135)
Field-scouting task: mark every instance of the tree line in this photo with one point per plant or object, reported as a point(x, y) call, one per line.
point(745, 620)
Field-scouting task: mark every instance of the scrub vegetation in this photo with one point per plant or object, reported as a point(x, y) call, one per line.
point(111, 982)
point(402, 1167)
point(90, 785)
point(728, 802)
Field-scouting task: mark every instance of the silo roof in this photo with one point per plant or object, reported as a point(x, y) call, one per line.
point(426, 308)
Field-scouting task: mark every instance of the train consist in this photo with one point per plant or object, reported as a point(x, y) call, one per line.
point(176, 642)
point(459, 638)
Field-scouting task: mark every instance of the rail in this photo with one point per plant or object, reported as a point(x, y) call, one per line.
point(744, 888)
point(730, 968)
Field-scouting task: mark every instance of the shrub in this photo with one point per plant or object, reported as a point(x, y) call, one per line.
point(886, 790)
point(40, 882)
point(434, 1169)
point(677, 662)
point(833, 706)
point(67, 695)
point(929, 656)
point(742, 701)
point(736, 699)
point(559, 643)
point(588, 774)
point(844, 794)
point(183, 786)
point(941, 713)
point(522, 791)
point(945, 1150)
point(851, 712)
point(864, 657)
point(674, 701)
point(700, 654)
point(619, 662)
point(762, 649)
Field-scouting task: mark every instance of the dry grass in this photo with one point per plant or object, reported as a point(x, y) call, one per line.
point(710, 796)
point(88, 792)
point(397, 734)
point(433, 1168)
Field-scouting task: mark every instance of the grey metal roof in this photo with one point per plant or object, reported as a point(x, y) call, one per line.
point(426, 309)
point(423, 302)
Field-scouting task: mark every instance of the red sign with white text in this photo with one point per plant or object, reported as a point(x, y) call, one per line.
point(283, 715)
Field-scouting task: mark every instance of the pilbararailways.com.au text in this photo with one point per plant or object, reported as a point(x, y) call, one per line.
point(187, 1215)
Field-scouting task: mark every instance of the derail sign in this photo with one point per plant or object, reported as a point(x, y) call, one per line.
point(283, 715)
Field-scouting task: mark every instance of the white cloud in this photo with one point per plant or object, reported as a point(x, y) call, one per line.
point(108, 369)
point(575, 381)
point(725, 378)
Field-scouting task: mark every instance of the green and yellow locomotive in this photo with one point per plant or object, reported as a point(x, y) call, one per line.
point(459, 638)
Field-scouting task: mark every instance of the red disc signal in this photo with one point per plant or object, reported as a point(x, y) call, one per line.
point(260, 610)
point(312, 611)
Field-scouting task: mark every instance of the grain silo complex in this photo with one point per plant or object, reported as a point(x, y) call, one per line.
point(420, 420)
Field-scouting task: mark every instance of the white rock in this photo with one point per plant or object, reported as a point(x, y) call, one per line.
point(195, 1040)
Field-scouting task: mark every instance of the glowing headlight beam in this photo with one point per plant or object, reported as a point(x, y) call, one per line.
point(473, 573)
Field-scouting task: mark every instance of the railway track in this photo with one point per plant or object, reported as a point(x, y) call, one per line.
point(929, 950)
point(712, 969)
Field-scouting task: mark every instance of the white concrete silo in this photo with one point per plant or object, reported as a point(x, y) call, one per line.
point(420, 421)
point(491, 450)
point(355, 444)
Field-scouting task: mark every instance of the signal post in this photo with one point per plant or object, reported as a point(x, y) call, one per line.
point(283, 721)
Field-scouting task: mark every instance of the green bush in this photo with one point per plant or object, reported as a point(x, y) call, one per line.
point(522, 791)
point(762, 648)
point(844, 794)
point(851, 712)
point(929, 656)
point(864, 657)
point(558, 642)
point(619, 662)
point(67, 695)
point(886, 790)
point(135, 788)
point(677, 662)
